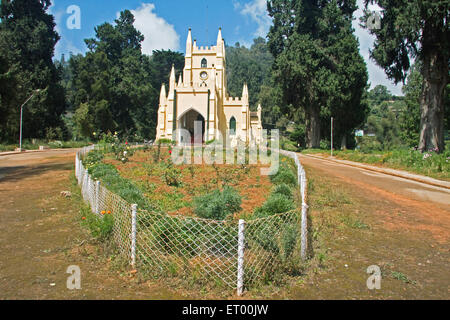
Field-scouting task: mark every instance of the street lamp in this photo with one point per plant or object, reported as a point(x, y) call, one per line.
point(21, 113)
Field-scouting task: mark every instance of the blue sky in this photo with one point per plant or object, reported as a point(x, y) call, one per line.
point(164, 23)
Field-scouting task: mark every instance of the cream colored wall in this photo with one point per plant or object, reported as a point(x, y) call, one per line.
point(197, 101)
point(195, 97)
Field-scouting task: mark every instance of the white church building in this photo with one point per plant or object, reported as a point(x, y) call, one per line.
point(200, 96)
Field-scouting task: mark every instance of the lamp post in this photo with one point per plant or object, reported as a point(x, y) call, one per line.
point(331, 136)
point(21, 113)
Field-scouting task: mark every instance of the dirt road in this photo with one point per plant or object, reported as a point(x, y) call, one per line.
point(40, 237)
point(407, 236)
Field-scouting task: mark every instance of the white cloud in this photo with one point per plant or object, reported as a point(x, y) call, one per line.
point(257, 11)
point(376, 74)
point(157, 32)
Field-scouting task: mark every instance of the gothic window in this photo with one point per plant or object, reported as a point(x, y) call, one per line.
point(204, 63)
point(232, 126)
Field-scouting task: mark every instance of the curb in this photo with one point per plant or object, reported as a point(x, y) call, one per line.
point(391, 172)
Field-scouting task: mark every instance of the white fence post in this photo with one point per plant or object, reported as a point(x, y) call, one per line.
point(133, 234)
point(85, 185)
point(241, 245)
point(97, 197)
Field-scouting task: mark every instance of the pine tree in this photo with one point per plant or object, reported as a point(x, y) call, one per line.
point(419, 30)
point(317, 63)
point(27, 42)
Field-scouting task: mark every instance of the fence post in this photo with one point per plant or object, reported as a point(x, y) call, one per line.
point(85, 185)
point(76, 165)
point(97, 197)
point(240, 271)
point(133, 234)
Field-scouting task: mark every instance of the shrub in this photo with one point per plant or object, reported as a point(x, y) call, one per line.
point(283, 189)
point(100, 227)
point(218, 204)
point(172, 176)
point(369, 144)
point(284, 176)
point(277, 203)
point(112, 180)
point(92, 158)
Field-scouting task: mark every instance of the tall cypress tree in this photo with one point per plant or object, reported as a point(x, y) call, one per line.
point(317, 63)
point(27, 42)
point(417, 29)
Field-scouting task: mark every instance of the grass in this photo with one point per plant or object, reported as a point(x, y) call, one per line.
point(429, 164)
point(34, 145)
point(402, 277)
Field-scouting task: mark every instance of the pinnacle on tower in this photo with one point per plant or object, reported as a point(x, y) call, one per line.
point(172, 73)
point(219, 37)
point(162, 95)
point(245, 91)
point(189, 44)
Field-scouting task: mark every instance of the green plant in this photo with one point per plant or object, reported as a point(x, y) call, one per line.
point(92, 158)
point(172, 175)
point(284, 175)
point(100, 227)
point(276, 203)
point(402, 277)
point(283, 189)
point(218, 204)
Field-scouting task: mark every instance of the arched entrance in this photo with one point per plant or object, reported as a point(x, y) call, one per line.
point(193, 122)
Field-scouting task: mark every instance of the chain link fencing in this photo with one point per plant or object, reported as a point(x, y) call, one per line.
point(230, 253)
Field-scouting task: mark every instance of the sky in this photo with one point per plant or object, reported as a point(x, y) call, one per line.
point(165, 23)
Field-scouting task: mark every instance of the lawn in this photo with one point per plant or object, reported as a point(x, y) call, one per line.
point(429, 163)
point(34, 145)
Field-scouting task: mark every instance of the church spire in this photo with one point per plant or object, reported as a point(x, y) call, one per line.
point(220, 44)
point(162, 95)
point(219, 36)
point(245, 96)
point(172, 80)
point(189, 44)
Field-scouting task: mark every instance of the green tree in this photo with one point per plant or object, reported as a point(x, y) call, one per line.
point(111, 87)
point(419, 30)
point(27, 41)
point(161, 63)
point(252, 66)
point(410, 119)
point(317, 64)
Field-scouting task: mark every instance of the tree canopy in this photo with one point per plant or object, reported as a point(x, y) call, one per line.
point(27, 42)
point(417, 30)
point(318, 65)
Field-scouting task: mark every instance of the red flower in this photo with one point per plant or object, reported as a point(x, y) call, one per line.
point(170, 151)
point(126, 142)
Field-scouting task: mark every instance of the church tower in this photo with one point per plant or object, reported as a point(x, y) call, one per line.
point(200, 96)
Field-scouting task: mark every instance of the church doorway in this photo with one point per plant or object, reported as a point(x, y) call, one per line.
point(189, 121)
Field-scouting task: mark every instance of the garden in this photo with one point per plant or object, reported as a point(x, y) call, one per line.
point(188, 214)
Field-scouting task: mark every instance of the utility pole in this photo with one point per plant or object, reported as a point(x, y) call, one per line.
point(21, 115)
point(331, 136)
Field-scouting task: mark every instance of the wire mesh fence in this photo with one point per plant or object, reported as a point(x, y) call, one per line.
point(228, 252)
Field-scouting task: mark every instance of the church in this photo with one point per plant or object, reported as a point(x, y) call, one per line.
point(200, 97)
